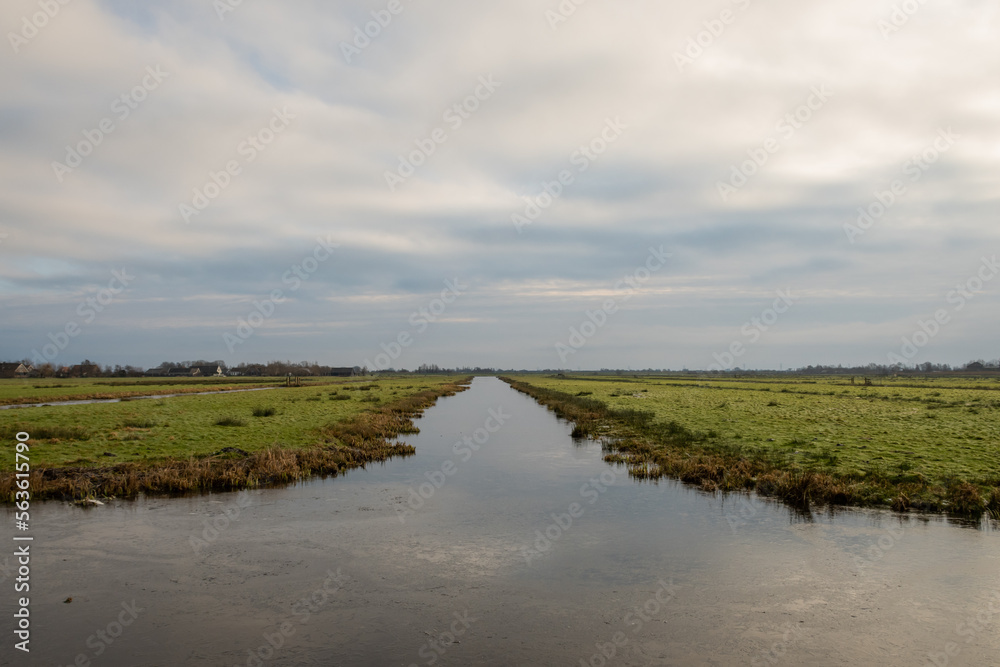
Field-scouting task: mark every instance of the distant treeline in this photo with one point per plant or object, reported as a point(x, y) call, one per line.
point(307, 368)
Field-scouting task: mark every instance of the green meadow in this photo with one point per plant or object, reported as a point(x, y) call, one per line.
point(181, 427)
point(938, 430)
point(15, 392)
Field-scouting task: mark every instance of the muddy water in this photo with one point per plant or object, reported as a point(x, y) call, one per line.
point(515, 547)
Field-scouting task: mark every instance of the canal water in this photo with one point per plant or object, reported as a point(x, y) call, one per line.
point(501, 542)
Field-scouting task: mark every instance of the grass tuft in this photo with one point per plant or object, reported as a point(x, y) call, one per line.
point(138, 423)
point(38, 432)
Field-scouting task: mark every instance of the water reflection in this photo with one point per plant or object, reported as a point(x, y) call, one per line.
point(859, 587)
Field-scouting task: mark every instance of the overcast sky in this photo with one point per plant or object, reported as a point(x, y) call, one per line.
point(177, 163)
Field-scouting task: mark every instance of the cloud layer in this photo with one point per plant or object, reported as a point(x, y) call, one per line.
point(532, 153)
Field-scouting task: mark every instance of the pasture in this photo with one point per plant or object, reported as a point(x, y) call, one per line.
point(925, 432)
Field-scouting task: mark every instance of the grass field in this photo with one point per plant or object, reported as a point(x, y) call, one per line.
point(336, 415)
point(932, 434)
point(18, 392)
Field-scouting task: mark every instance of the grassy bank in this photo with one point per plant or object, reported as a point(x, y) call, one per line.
point(28, 391)
point(928, 445)
point(217, 442)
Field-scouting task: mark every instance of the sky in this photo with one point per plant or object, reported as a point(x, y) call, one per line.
point(526, 184)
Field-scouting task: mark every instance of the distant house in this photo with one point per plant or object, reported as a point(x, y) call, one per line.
point(343, 372)
point(14, 370)
point(208, 371)
point(84, 371)
point(253, 370)
point(975, 366)
point(175, 372)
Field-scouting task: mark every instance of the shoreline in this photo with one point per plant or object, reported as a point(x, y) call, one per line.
point(353, 443)
point(654, 451)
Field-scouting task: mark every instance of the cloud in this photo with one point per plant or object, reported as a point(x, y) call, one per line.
point(206, 130)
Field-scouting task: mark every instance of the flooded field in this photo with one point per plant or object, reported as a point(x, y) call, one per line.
point(503, 542)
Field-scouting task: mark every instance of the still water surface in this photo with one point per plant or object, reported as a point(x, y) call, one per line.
point(516, 546)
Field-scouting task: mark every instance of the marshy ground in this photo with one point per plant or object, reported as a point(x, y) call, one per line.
point(908, 442)
point(929, 444)
point(207, 442)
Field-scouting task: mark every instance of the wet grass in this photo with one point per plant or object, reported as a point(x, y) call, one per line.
point(19, 392)
point(46, 432)
point(821, 443)
point(175, 446)
point(139, 423)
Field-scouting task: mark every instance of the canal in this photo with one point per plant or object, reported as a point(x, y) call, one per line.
point(502, 542)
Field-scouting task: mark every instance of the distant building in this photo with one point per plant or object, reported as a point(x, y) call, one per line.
point(84, 371)
point(15, 370)
point(180, 372)
point(344, 372)
point(208, 371)
point(253, 370)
